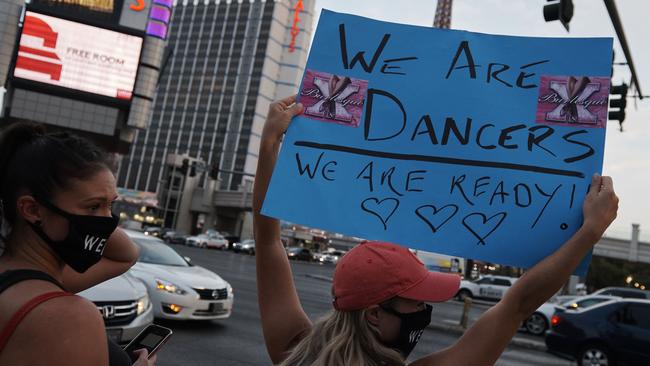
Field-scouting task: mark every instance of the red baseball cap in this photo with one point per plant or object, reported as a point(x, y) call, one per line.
point(374, 272)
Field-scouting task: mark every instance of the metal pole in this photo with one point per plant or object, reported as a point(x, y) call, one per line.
point(464, 318)
point(620, 33)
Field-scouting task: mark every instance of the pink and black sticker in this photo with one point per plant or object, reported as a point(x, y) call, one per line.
point(333, 98)
point(573, 101)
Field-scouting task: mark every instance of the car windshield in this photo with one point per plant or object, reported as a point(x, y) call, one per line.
point(156, 252)
point(248, 242)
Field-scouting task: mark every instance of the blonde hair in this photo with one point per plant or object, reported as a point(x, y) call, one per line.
point(343, 338)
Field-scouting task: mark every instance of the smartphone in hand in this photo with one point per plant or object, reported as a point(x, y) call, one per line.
point(152, 338)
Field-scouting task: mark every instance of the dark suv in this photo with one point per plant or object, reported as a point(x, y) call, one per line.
point(614, 332)
point(298, 253)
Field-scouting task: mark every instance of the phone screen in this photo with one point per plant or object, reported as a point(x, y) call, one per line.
point(151, 338)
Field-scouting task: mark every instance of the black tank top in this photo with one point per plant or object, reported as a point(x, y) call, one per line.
point(116, 355)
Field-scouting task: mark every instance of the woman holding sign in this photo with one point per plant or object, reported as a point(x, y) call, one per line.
point(381, 290)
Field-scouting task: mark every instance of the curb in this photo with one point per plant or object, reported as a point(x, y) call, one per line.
point(515, 341)
point(319, 277)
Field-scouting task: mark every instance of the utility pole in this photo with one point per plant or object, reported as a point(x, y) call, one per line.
point(620, 33)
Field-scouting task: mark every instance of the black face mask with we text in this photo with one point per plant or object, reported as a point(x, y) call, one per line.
point(411, 329)
point(86, 240)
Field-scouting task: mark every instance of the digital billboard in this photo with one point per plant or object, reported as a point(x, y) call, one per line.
point(104, 11)
point(77, 56)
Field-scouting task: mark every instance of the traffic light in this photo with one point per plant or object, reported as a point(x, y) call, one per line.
point(619, 104)
point(214, 171)
point(185, 166)
point(193, 169)
point(561, 10)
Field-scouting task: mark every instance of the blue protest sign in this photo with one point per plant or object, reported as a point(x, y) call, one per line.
point(466, 144)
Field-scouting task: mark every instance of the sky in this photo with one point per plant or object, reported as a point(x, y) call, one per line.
point(627, 154)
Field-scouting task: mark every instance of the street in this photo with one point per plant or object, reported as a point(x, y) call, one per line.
point(239, 341)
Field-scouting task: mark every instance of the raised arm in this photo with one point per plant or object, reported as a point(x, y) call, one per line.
point(120, 254)
point(283, 318)
point(485, 341)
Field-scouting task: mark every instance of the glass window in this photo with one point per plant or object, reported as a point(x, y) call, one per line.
point(623, 293)
point(501, 282)
point(589, 302)
point(637, 315)
point(485, 281)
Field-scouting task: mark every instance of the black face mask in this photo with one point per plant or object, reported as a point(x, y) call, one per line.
point(411, 329)
point(87, 235)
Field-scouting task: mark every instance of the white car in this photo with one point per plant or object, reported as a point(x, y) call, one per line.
point(330, 257)
point(207, 241)
point(540, 320)
point(178, 289)
point(124, 305)
point(247, 246)
point(488, 287)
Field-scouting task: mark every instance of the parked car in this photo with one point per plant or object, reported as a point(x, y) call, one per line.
point(331, 257)
point(616, 331)
point(299, 253)
point(319, 256)
point(208, 241)
point(487, 287)
point(235, 247)
point(124, 304)
point(177, 288)
point(626, 292)
point(538, 322)
point(175, 237)
point(153, 231)
point(248, 247)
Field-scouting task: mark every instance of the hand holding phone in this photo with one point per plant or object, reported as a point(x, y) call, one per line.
point(143, 358)
point(151, 338)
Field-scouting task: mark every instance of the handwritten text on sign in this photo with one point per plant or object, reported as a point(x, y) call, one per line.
point(466, 144)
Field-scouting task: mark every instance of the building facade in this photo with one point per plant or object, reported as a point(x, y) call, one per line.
point(100, 86)
point(226, 62)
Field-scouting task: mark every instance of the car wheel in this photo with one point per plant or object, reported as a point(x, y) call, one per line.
point(204, 245)
point(463, 294)
point(536, 324)
point(595, 355)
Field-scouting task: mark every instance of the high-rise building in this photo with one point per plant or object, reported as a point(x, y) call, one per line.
point(225, 63)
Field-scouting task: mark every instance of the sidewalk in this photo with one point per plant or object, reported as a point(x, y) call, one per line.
point(452, 326)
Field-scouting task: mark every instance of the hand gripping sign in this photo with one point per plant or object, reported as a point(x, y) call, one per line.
point(460, 143)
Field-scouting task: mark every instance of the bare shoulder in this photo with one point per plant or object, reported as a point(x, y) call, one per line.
point(63, 329)
point(440, 358)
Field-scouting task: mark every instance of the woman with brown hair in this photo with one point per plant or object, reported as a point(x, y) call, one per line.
point(59, 238)
point(380, 290)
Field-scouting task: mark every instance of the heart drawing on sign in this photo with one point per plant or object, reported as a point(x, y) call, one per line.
point(482, 226)
point(435, 218)
point(383, 209)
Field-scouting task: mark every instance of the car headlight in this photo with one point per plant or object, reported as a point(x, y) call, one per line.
point(163, 285)
point(230, 291)
point(143, 304)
